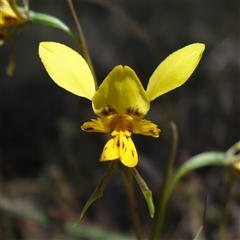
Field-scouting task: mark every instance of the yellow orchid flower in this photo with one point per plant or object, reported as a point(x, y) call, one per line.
point(121, 101)
point(9, 17)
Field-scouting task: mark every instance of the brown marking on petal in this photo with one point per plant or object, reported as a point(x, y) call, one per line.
point(152, 131)
point(88, 129)
point(132, 153)
point(129, 111)
point(137, 113)
point(104, 112)
point(111, 110)
point(123, 145)
point(133, 111)
point(118, 143)
point(105, 148)
point(108, 111)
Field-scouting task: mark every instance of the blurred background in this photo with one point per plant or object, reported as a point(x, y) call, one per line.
point(50, 167)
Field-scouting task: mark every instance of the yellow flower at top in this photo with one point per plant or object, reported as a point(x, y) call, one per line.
point(120, 102)
point(8, 17)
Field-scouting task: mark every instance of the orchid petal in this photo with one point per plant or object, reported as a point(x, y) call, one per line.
point(121, 92)
point(174, 70)
point(67, 68)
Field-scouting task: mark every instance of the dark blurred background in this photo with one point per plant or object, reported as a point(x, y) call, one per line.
point(50, 167)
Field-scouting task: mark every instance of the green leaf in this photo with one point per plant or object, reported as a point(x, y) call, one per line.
point(145, 190)
point(198, 161)
point(45, 19)
point(98, 192)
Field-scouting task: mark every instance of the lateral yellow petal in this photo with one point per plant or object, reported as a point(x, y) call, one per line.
point(144, 127)
point(67, 68)
point(97, 125)
point(174, 70)
point(121, 92)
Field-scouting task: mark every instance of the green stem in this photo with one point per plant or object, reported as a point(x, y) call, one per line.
point(83, 45)
point(128, 183)
point(160, 210)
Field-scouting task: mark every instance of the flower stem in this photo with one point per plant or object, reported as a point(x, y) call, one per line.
point(160, 210)
point(82, 43)
point(128, 183)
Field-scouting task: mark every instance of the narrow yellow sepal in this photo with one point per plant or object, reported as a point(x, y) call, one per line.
point(174, 70)
point(67, 68)
point(121, 92)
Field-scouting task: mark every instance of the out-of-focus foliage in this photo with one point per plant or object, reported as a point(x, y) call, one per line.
point(51, 167)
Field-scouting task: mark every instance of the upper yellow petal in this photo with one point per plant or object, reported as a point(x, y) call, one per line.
point(121, 92)
point(174, 70)
point(67, 68)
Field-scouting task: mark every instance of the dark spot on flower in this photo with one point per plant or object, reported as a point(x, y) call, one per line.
point(152, 131)
point(104, 112)
point(111, 110)
point(108, 111)
point(123, 145)
point(132, 111)
point(88, 129)
point(118, 143)
point(129, 111)
point(132, 153)
point(137, 113)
